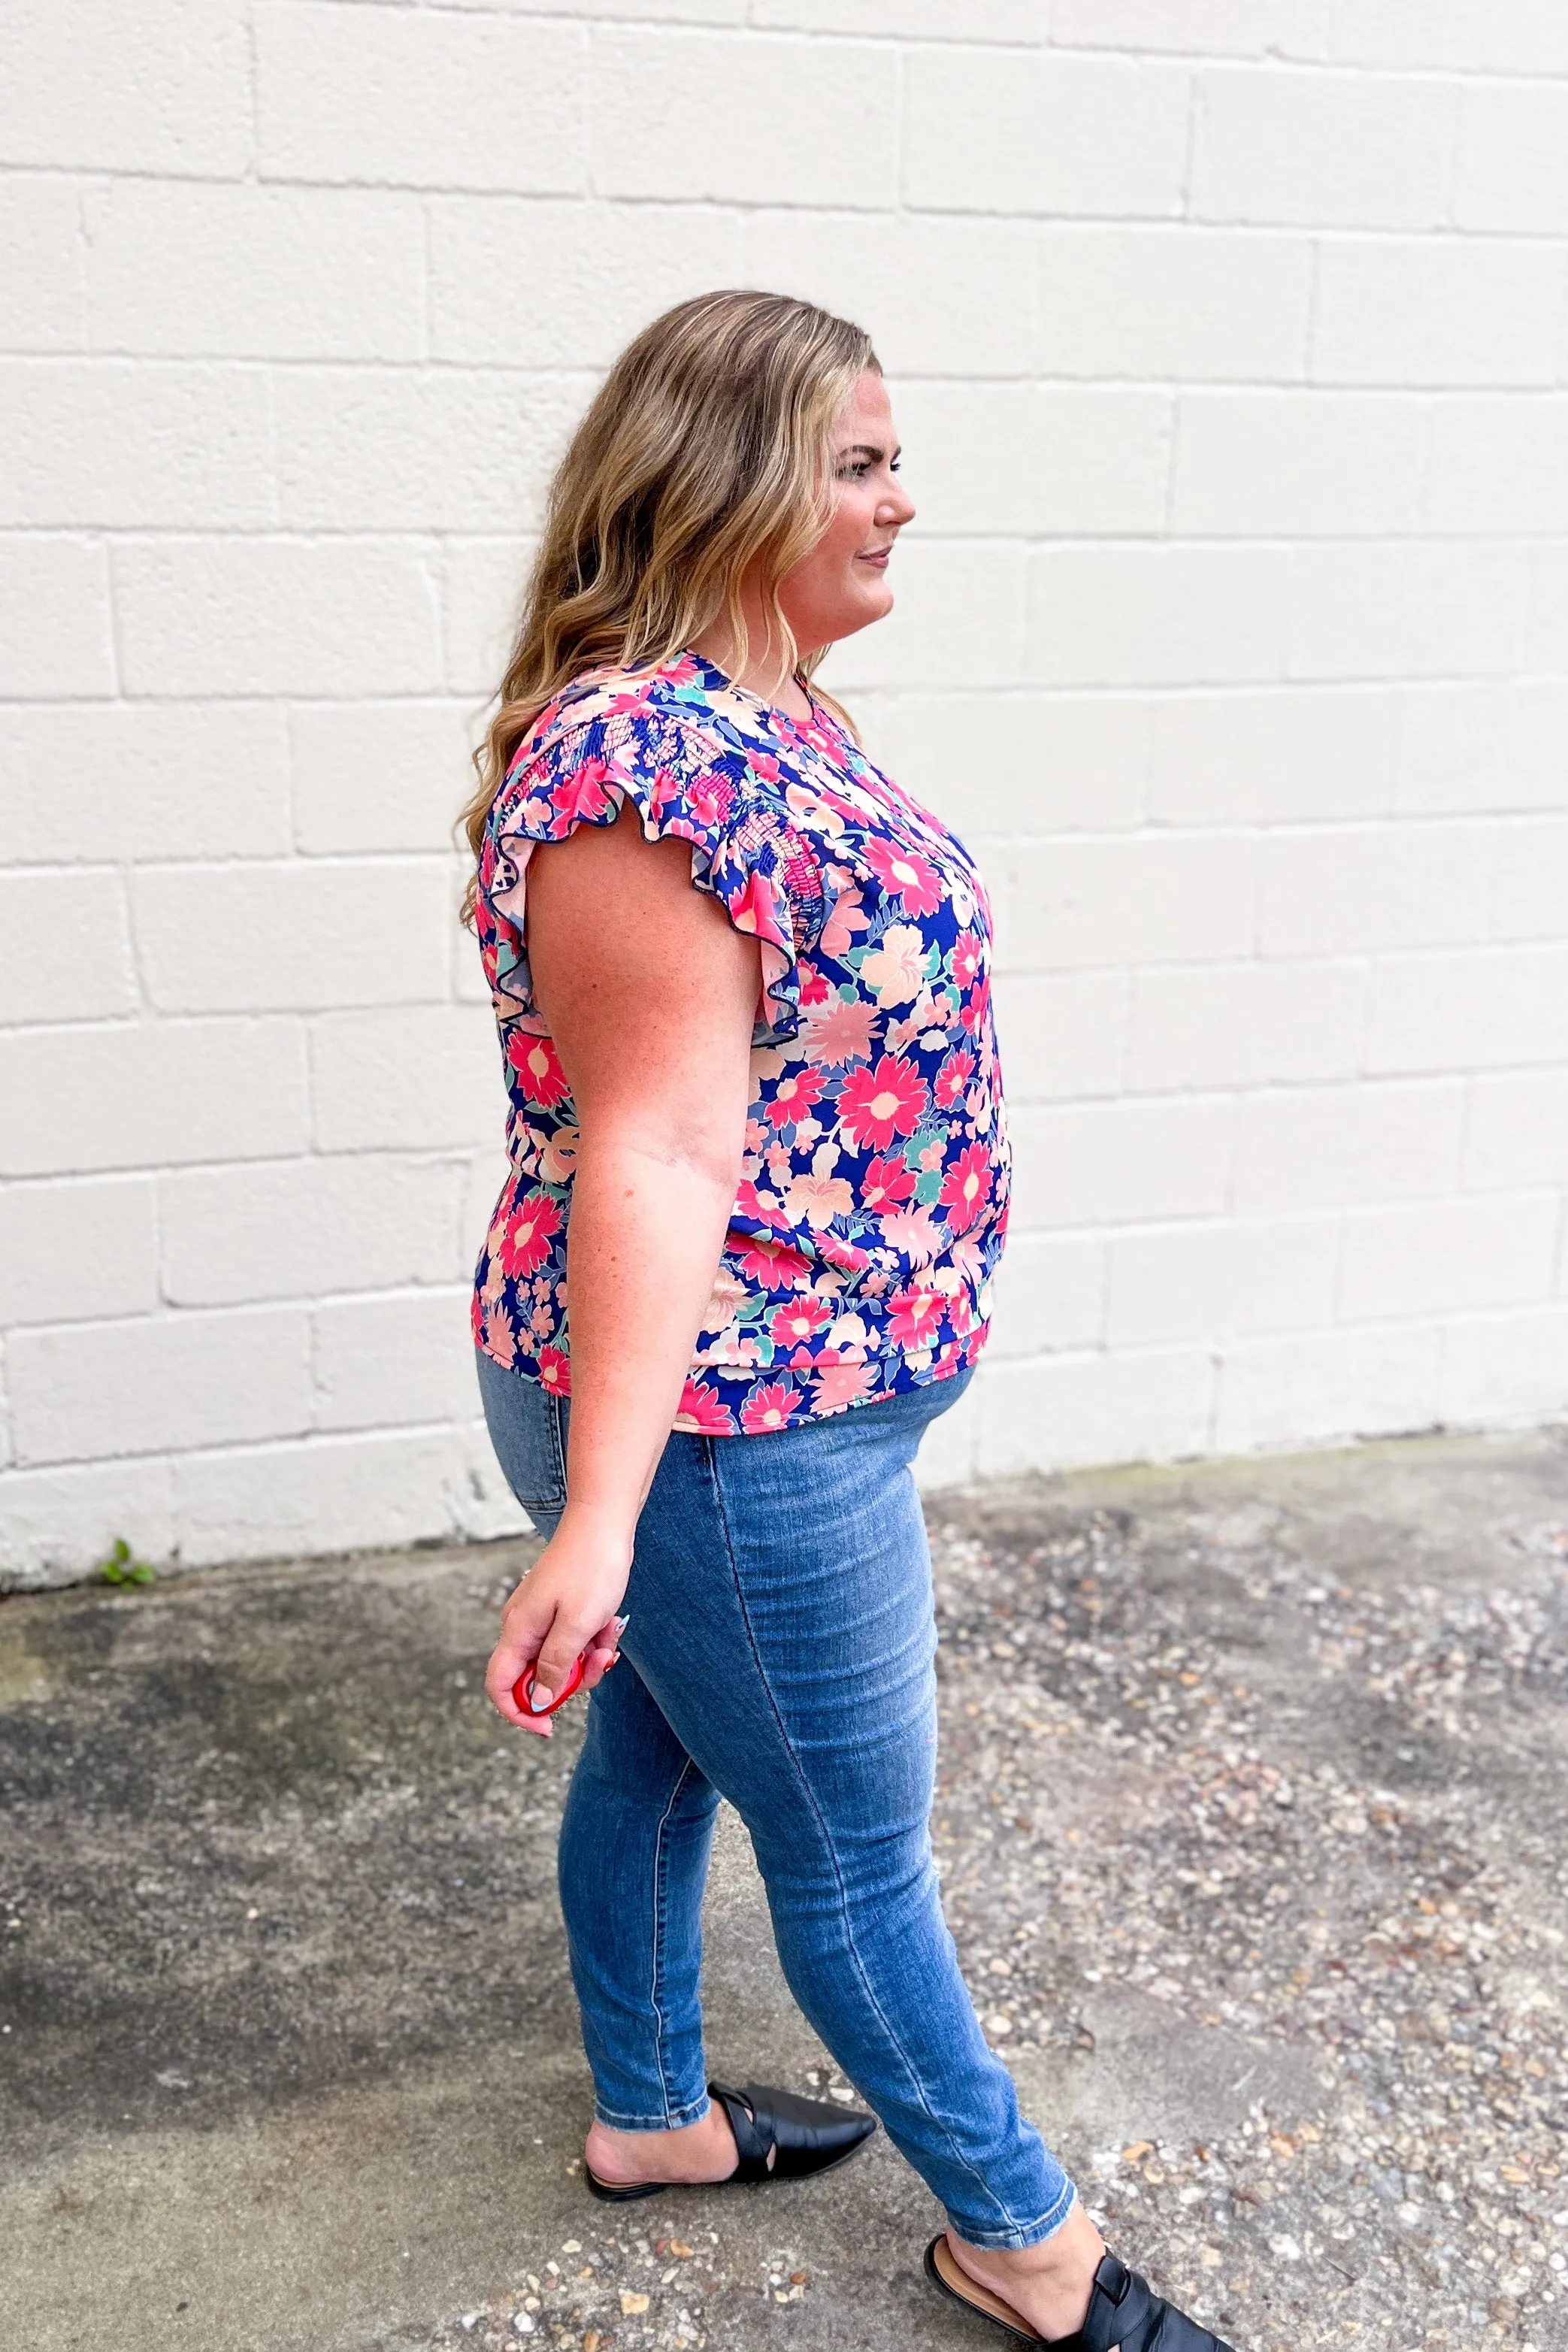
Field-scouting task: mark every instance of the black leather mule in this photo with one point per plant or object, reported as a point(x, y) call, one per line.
point(1124, 2310)
point(801, 2136)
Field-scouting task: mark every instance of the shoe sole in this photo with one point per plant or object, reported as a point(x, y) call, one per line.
point(969, 2296)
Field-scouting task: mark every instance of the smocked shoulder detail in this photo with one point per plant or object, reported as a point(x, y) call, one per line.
point(687, 784)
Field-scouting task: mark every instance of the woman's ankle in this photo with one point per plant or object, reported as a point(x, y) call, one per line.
point(700, 2151)
point(1049, 2282)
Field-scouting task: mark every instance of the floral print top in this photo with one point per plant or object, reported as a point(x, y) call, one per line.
point(873, 1198)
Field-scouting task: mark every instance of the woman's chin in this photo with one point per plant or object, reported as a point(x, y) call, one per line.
point(876, 607)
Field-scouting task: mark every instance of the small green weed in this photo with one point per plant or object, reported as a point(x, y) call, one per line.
point(122, 1568)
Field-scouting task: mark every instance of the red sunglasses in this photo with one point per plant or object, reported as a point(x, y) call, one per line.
point(523, 1689)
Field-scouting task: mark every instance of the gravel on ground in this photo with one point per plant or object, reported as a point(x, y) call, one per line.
point(1252, 1829)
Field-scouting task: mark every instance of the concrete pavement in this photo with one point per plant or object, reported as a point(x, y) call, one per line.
point(1252, 1829)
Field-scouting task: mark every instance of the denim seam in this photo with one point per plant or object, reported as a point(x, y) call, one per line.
point(1022, 2233)
point(661, 1882)
point(911, 2072)
point(673, 2119)
point(560, 1449)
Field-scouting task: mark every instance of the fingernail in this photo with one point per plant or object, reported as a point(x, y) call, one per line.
point(620, 1623)
point(538, 1698)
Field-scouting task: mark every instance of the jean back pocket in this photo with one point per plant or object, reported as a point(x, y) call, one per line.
point(527, 1427)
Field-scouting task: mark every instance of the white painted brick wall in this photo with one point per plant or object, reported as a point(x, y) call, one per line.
point(1230, 345)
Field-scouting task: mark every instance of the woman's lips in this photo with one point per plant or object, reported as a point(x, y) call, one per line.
point(879, 556)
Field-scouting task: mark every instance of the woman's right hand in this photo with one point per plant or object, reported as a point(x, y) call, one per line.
point(563, 1608)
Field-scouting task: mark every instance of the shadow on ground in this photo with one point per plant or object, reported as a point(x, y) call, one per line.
point(1252, 1828)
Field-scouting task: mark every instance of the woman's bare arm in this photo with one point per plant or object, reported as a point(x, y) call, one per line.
point(650, 995)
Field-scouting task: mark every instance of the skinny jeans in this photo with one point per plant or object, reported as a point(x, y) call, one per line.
point(780, 1654)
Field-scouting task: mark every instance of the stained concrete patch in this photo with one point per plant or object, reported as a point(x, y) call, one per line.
point(1253, 1844)
point(1145, 2070)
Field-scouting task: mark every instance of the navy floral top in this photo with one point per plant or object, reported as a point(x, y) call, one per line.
point(873, 1199)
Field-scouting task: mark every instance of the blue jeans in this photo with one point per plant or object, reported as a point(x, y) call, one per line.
point(780, 1654)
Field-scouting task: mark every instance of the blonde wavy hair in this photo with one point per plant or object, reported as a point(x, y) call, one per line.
point(703, 463)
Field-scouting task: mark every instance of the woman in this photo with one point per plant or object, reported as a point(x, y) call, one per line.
point(741, 983)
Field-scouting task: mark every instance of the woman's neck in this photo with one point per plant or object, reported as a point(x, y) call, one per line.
point(763, 673)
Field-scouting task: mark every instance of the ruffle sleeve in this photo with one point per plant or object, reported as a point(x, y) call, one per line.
point(747, 851)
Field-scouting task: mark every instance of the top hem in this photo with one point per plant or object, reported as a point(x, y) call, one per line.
point(725, 1382)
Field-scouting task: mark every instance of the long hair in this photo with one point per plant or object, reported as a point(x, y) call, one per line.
point(701, 463)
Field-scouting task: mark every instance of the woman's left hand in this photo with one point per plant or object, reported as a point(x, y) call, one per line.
point(564, 1608)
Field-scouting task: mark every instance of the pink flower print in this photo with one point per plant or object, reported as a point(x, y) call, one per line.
point(850, 1339)
point(838, 1385)
point(798, 1321)
point(952, 1077)
point(664, 791)
point(840, 1033)
point(770, 1263)
point(816, 1199)
point(976, 1005)
point(968, 956)
point(849, 916)
point(708, 801)
point(768, 1406)
point(882, 1102)
point(814, 814)
point(847, 1255)
point(724, 1301)
point(558, 1156)
point(702, 1413)
point(530, 1230)
point(966, 1187)
point(912, 879)
point(932, 1155)
point(753, 908)
point(965, 1253)
point(581, 795)
point(914, 1317)
point(761, 1206)
point(887, 1183)
point(814, 988)
point(913, 1231)
point(538, 1067)
point(793, 1097)
point(554, 1371)
point(960, 1313)
point(895, 968)
point(500, 1336)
